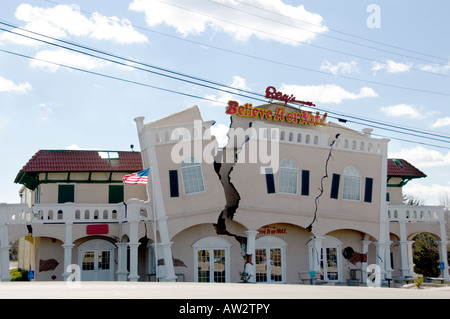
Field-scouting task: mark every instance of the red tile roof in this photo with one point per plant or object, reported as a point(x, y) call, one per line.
point(77, 161)
point(402, 168)
point(82, 161)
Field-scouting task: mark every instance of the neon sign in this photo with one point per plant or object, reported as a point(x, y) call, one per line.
point(271, 93)
point(302, 117)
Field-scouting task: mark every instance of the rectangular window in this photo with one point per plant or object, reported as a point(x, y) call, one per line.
point(305, 183)
point(115, 194)
point(335, 186)
point(173, 180)
point(352, 188)
point(192, 178)
point(66, 194)
point(368, 190)
point(270, 182)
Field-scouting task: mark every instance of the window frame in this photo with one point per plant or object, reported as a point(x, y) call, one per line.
point(283, 189)
point(349, 188)
point(189, 164)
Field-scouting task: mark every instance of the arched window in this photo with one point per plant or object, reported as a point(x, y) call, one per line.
point(352, 184)
point(288, 179)
point(191, 172)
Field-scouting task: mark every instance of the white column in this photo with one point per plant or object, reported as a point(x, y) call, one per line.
point(382, 258)
point(404, 253)
point(122, 271)
point(133, 275)
point(133, 244)
point(147, 142)
point(165, 251)
point(251, 250)
point(68, 245)
point(443, 257)
point(382, 246)
point(364, 250)
point(4, 253)
point(315, 249)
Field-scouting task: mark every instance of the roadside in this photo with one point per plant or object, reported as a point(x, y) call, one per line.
point(185, 290)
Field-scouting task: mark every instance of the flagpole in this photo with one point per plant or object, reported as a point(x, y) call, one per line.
point(155, 250)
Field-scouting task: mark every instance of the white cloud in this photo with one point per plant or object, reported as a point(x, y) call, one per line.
point(65, 57)
point(9, 86)
point(64, 21)
point(402, 110)
point(419, 156)
point(445, 121)
point(220, 132)
point(194, 17)
point(341, 67)
point(436, 68)
point(75, 147)
point(391, 66)
point(224, 97)
point(433, 194)
point(325, 93)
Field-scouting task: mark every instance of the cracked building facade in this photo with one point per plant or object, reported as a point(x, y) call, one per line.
point(282, 201)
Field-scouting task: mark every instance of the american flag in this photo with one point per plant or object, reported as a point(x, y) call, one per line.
point(139, 178)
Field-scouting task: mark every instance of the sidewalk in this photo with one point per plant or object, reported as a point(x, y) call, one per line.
point(185, 290)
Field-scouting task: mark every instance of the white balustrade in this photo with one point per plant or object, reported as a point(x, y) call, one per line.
point(86, 213)
point(14, 214)
point(409, 213)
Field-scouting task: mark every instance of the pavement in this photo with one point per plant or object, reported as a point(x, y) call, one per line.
point(188, 290)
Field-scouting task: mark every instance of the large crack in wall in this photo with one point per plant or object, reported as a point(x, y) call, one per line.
point(223, 169)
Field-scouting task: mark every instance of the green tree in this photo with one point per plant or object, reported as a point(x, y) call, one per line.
point(426, 255)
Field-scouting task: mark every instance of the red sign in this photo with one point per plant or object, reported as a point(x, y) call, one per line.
point(271, 93)
point(272, 230)
point(98, 229)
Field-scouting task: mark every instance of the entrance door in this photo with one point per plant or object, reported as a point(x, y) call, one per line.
point(96, 265)
point(96, 260)
point(330, 264)
point(269, 265)
point(211, 265)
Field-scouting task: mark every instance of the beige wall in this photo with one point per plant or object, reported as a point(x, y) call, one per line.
point(95, 193)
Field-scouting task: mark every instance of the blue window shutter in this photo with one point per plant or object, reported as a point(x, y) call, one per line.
point(368, 190)
point(335, 186)
point(173, 178)
point(305, 183)
point(270, 182)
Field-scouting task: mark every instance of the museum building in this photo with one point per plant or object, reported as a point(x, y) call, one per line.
point(290, 196)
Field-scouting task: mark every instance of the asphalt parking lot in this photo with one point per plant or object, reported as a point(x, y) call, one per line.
point(186, 290)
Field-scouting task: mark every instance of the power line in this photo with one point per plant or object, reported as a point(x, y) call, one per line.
point(325, 35)
point(341, 32)
point(181, 93)
point(303, 42)
point(371, 122)
point(298, 67)
point(110, 76)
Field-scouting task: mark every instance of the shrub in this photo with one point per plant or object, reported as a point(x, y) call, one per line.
point(18, 274)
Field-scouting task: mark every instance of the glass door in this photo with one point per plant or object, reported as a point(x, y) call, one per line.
point(211, 265)
point(96, 265)
point(269, 265)
point(330, 268)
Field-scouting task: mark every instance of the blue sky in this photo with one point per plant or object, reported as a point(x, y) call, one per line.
point(381, 60)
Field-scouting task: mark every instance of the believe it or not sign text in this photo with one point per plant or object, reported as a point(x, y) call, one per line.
point(302, 117)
